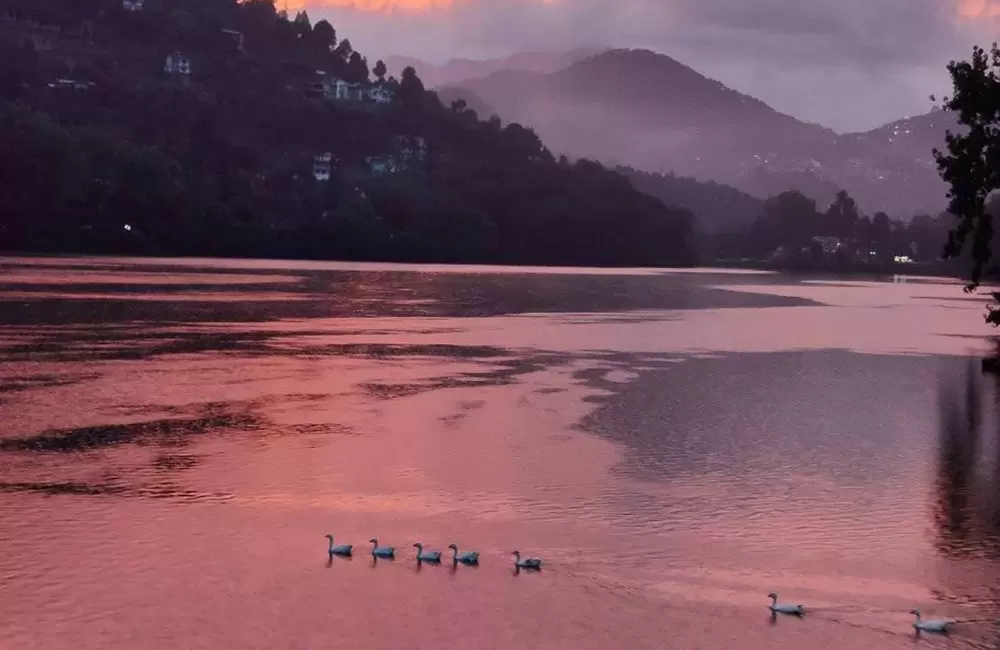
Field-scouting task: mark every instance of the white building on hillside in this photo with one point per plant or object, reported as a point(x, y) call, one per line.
point(177, 63)
point(380, 94)
point(323, 167)
point(343, 91)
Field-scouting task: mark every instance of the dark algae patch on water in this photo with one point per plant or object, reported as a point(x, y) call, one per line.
point(171, 432)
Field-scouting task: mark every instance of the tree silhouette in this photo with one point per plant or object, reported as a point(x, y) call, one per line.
point(380, 70)
point(344, 50)
point(881, 235)
point(325, 34)
point(971, 163)
point(842, 216)
point(303, 28)
point(411, 88)
point(788, 219)
point(357, 68)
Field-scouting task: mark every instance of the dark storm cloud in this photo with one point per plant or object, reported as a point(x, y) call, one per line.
point(888, 55)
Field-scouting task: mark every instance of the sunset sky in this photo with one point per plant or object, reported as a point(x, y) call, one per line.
point(848, 64)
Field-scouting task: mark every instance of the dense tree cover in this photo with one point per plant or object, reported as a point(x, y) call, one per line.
point(222, 164)
point(971, 162)
point(791, 229)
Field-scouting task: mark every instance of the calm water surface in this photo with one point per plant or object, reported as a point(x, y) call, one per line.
point(176, 437)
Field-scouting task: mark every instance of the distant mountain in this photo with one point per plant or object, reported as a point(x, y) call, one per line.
point(898, 157)
point(458, 70)
point(906, 138)
point(718, 208)
point(646, 110)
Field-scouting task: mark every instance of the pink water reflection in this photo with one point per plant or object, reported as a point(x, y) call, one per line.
point(612, 444)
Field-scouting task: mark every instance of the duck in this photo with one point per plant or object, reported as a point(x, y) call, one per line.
point(526, 563)
point(940, 626)
point(343, 549)
point(784, 608)
point(382, 551)
point(469, 557)
point(426, 556)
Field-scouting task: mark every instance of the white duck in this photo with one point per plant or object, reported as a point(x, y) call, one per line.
point(785, 608)
point(939, 626)
point(382, 551)
point(426, 556)
point(469, 557)
point(526, 563)
point(343, 549)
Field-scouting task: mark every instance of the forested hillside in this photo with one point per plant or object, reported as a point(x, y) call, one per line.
point(217, 127)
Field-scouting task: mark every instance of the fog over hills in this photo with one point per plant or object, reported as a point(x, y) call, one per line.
point(458, 70)
point(651, 112)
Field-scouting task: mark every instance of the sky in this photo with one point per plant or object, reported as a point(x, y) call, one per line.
point(847, 64)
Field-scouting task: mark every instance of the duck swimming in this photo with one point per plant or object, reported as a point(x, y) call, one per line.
point(469, 557)
point(938, 626)
point(426, 556)
point(382, 551)
point(342, 550)
point(784, 608)
point(526, 563)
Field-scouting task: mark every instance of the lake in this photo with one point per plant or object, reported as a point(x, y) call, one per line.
point(177, 437)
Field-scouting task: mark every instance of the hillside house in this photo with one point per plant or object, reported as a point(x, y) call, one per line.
point(380, 94)
point(381, 165)
point(411, 149)
point(177, 64)
point(133, 5)
point(323, 167)
point(340, 90)
point(343, 91)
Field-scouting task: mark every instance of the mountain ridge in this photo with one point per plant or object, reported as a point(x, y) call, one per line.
point(459, 69)
point(658, 114)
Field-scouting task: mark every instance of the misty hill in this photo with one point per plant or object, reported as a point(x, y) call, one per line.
point(458, 70)
point(649, 111)
point(720, 208)
point(901, 151)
